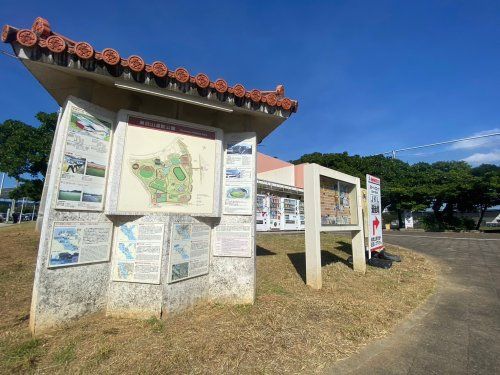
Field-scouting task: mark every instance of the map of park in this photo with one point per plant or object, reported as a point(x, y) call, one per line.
point(168, 178)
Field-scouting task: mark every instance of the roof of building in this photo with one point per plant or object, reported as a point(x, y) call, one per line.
point(48, 46)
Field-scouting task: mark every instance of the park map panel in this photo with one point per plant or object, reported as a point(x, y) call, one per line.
point(167, 168)
point(166, 180)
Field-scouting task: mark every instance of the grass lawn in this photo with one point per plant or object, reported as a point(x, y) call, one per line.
point(98, 172)
point(290, 329)
point(69, 196)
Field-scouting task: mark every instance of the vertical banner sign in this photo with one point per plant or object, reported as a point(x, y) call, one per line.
point(374, 213)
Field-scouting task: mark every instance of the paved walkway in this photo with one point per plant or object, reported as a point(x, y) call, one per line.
point(458, 330)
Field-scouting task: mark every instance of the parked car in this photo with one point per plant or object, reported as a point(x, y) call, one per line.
point(26, 217)
point(394, 224)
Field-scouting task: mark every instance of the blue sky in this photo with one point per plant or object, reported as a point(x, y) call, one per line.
point(370, 76)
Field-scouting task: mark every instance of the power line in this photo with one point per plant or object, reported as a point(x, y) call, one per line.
point(393, 152)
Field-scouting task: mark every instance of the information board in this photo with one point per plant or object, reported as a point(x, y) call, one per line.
point(189, 251)
point(233, 240)
point(137, 254)
point(167, 167)
point(82, 181)
point(75, 243)
point(375, 242)
point(336, 205)
point(239, 166)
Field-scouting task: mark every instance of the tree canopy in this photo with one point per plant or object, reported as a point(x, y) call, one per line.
point(24, 153)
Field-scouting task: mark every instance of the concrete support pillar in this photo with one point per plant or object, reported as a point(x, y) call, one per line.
point(313, 222)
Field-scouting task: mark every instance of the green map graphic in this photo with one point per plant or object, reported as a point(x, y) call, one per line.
point(167, 176)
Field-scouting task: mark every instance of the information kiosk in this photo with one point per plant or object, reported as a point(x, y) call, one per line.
point(333, 203)
point(149, 201)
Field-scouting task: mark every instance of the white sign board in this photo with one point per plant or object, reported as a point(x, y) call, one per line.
point(189, 251)
point(374, 213)
point(408, 219)
point(84, 169)
point(239, 166)
point(74, 243)
point(233, 240)
point(138, 252)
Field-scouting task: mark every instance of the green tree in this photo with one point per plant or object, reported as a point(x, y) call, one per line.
point(448, 182)
point(485, 191)
point(25, 150)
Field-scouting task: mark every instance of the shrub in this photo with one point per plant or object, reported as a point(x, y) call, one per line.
point(433, 224)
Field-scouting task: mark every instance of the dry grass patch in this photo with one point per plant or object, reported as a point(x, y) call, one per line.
point(290, 329)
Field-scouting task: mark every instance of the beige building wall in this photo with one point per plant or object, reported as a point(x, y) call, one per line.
point(285, 175)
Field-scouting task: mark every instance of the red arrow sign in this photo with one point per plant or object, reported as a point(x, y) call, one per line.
point(376, 223)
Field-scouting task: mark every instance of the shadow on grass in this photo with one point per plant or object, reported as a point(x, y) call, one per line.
point(261, 251)
point(299, 261)
point(345, 247)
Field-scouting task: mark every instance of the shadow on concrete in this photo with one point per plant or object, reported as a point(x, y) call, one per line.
point(299, 261)
point(263, 251)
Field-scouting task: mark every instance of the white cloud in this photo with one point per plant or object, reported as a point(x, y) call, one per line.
point(492, 157)
point(486, 142)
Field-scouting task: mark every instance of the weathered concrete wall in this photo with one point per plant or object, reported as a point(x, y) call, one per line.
point(136, 300)
point(285, 175)
point(62, 294)
point(232, 280)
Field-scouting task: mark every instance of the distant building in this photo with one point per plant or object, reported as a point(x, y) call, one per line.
point(280, 194)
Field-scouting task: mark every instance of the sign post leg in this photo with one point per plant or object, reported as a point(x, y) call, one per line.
point(313, 259)
point(358, 251)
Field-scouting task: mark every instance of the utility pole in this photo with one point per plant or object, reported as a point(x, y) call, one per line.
point(1, 188)
point(22, 208)
point(1, 183)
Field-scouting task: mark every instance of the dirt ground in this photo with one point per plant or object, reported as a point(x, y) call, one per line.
point(290, 328)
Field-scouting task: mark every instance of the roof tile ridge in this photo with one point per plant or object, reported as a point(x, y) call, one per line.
point(42, 34)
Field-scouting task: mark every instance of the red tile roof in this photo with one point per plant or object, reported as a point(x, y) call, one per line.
point(41, 36)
